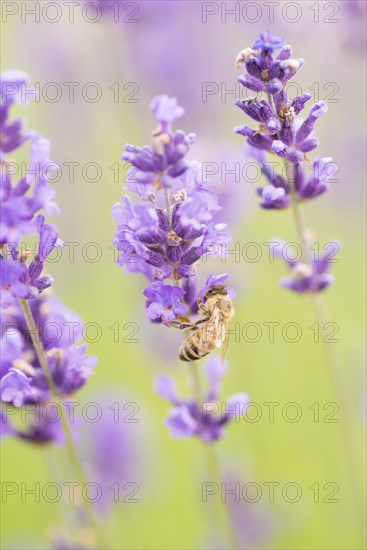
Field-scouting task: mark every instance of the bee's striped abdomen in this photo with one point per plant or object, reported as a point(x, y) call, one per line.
point(190, 350)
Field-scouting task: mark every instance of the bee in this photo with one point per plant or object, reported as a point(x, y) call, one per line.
point(212, 330)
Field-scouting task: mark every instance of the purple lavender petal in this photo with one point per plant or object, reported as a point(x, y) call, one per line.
point(279, 148)
point(166, 109)
point(12, 282)
point(6, 428)
point(236, 406)
point(284, 53)
point(15, 387)
point(164, 301)
point(215, 370)
point(268, 42)
point(213, 280)
point(166, 388)
point(317, 110)
point(181, 423)
point(325, 260)
point(274, 197)
point(251, 82)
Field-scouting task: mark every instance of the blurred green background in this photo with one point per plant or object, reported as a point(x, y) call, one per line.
point(172, 50)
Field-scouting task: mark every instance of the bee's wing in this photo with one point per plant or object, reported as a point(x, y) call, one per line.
point(223, 352)
point(222, 333)
point(208, 334)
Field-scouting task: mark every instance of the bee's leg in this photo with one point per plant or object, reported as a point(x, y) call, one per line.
point(204, 312)
point(202, 307)
point(200, 302)
point(185, 326)
point(181, 326)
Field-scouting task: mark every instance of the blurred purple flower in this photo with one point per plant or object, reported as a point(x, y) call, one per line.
point(13, 83)
point(43, 425)
point(166, 109)
point(354, 27)
point(22, 379)
point(273, 197)
point(15, 387)
point(253, 522)
point(307, 278)
point(12, 275)
point(323, 170)
point(185, 419)
point(268, 42)
point(21, 202)
point(142, 12)
point(21, 281)
point(12, 135)
point(6, 428)
point(110, 448)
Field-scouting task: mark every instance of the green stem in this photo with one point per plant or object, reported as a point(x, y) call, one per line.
point(332, 359)
point(211, 455)
point(214, 470)
point(70, 445)
point(195, 384)
point(270, 100)
point(346, 407)
point(299, 222)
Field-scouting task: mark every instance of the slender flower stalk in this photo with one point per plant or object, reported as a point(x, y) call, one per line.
point(335, 373)
point(70, 447)
point(283, 134)
point(212, 458)
point(224, 508)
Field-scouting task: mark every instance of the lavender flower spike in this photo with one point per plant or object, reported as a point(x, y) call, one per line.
point(281, 132)
point(27, 348)
point(165, 234)
point(265, 72)
point(163, 161)
point(167, 231)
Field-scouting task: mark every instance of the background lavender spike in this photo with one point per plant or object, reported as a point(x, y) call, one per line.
point(309, 274)
point(33, 372)
point(283, 133)
point(23, 380)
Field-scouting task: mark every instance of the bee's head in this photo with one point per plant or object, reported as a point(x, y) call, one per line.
point(216, 290)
